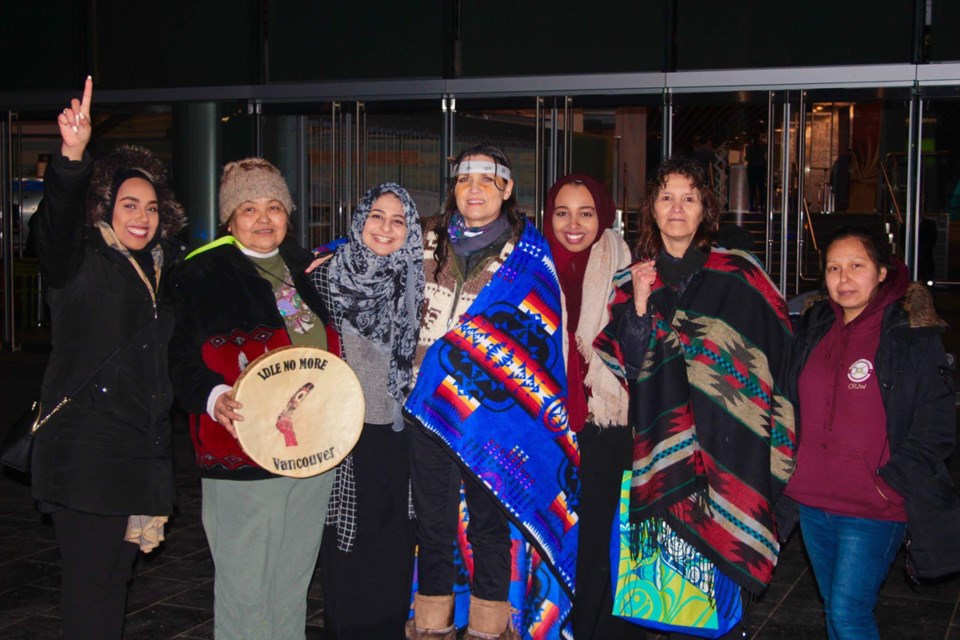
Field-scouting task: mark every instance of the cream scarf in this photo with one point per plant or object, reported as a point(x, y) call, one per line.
point(608, 399)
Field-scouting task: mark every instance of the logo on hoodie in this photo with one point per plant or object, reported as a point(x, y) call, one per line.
point(859, 372)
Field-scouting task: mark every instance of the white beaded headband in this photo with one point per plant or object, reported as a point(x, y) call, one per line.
point(482, 166)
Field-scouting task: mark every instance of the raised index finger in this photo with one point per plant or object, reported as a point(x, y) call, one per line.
point(87, 96)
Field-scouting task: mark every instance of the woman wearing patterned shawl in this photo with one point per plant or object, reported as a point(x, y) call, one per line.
point(588, 253)
point(701, 335)
point(488, 410)
point(373, 289)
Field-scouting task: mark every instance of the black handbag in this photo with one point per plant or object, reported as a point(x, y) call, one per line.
point(17, 448)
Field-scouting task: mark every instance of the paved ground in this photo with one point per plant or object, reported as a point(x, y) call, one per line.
point(171, 595)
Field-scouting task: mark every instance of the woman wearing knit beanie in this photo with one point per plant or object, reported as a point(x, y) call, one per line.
point(102, 465)
point(237, 298)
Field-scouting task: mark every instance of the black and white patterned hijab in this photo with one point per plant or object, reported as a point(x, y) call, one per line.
point(381, 297)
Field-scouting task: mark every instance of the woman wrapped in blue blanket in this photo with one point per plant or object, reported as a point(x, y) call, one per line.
point(488, 409)
point(702, 336)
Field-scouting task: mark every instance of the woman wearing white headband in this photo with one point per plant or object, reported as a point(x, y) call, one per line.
point(488, 409)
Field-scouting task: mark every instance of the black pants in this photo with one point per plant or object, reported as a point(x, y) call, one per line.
point(604, 455)
point(96, 565)
point(367, 590)
point(436, 479)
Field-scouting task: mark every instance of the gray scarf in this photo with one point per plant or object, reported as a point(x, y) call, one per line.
point(380, 297)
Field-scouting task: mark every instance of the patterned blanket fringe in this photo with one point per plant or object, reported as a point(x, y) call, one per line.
point(701, 506)
point(656, 534)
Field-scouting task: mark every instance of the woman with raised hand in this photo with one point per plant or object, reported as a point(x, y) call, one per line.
point(237, 298)
point(102, 465)
point(703, 337)
point(488, 409)
point(877, 417)
point(373, 289)
point(588, 253)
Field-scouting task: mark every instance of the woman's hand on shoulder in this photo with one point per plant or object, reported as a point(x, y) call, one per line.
point(317, 262)
point(225, 411)
point(75, 124)
point(643, 275)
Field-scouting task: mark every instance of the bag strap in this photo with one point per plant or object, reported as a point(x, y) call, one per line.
point(66, 399)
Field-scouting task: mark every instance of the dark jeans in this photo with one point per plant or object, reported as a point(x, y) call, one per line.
point(850, 558)
point(96, 565)
point(436, 477)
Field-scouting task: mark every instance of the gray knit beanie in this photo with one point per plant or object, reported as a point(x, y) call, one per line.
point(250, 179)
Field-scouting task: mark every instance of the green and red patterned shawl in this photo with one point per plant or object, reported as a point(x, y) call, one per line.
point(715, 439)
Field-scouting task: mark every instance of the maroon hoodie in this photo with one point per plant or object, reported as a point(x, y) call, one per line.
point(843, 424)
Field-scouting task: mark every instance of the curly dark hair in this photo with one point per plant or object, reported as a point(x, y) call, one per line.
point(124, 158)
point(650, 243)
point(509, 209)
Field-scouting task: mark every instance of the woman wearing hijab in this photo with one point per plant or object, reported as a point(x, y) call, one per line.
point(373, 289)
point(102, 465)
point(588, 253)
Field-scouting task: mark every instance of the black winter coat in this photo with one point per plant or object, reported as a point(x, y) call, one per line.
point(918, 397)
point(108, 450)
point(227, 316)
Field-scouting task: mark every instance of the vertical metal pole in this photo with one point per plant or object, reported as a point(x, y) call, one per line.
point(349, 179)
point(538, 163)
point(446, 144)
point(785, 191)
point(16, 144)
point(362, 150)
point(914, 192)
point(768, 231)
point(553, 157)
point(256, 110)
point(359, 151)
point(567, 135)
point(334, 172)
point(666, 141)
point(301, 147)
point(6, 230)
point(619, 196)
point(197, 159)
point(801, 175)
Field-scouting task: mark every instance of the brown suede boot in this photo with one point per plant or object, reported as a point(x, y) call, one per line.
point(432, 618)
point(490, 620)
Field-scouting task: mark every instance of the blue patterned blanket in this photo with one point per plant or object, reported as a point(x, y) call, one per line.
point(493, 389)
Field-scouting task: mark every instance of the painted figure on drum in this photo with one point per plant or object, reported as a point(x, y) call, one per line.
point(237, 298)
point(373, 289)
point(488, 411)
point(285, 419)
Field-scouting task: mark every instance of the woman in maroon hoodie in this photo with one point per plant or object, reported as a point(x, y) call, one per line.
point(876, 407)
